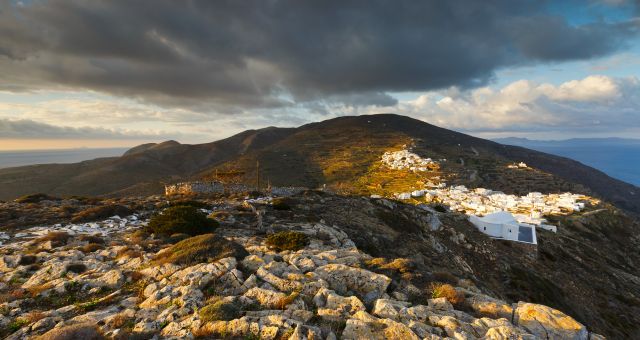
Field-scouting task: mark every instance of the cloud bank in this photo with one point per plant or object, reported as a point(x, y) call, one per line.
point(229, 56)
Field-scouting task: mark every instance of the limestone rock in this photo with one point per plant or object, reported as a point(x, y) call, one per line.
point(367, 285)
point(548, 323)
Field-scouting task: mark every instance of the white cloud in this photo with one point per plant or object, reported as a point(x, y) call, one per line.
point(595, 103)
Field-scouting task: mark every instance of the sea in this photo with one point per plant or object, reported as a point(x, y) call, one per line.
point(29, 157)
point(618, 158)
point(618, 161)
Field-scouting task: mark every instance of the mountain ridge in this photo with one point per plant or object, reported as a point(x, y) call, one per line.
point(335, 152)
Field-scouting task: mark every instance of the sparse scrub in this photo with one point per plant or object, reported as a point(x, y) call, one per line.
point(35, 198)
point(91, 247)
point(219, 309)
point(85, 331)
point(101, 212)
point(287, 240)
point(91, 239)
point(77, 268)
point(189, 203)
point(447, 291)
point(57, 238)
point(26, 260)
point(181, 219)
point(287, 300)
point(282, 203)
point(202, 248)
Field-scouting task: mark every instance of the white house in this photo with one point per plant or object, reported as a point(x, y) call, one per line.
point(503, 225)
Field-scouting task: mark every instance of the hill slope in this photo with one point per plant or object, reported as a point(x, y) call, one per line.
point(340, 153)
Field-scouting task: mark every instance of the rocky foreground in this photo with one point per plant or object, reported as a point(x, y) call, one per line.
point(110, 279)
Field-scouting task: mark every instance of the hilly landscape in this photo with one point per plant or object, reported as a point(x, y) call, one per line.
point(95, 249)
point(340, 154)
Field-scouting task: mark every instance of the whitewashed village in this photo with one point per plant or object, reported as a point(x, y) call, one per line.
point(495, 213)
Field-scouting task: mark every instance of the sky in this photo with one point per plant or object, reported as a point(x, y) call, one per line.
point(79, 73)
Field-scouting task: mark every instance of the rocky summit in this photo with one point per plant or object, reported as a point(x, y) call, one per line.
point(310, 266)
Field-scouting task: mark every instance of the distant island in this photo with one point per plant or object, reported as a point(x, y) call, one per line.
point(13, 158)
point(617, 157)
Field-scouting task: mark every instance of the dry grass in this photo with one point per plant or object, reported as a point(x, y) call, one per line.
point(287, 300)
point(91, 247)
point(85, 331)
point(101, 212)
point(399, 265)
point(128, 253)
point(203, 248)
point(447, 291)
point(36, 290)
point(287, 240)
point(57, 238)
point(218, 309)
point(34, 316)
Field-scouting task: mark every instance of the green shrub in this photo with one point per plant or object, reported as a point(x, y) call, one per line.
point(219, 310)
point(181, 219)
point(198, 249)
point(287, 240)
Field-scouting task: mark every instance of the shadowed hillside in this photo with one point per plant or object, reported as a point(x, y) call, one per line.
point(341, 153)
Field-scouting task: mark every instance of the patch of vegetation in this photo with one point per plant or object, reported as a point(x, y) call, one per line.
point(85, 331)
point(57, 238)
point(101, 212)
point(198, 249)
point(26, 260)
point(175, 238)
point(282, 203)
point(91, 239)
point(181, 219)
point(35, 198)
point(287, 240)
point(219, 309)
point(189, 203)
point(77, 268)
point(447, 291)
point(287, 300)
point(91, 247)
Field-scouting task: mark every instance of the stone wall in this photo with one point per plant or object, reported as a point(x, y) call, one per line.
point(218, 188)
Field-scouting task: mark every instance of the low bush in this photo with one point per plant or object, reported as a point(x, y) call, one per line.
point(57, 238)
point(447, 291)
point(198, 249)
point(219, 309)
point(181, 219)
point(91, 239)
point(85, 331)
point(26, 260)
point(35, 198)
point(282, 203)
point(91, 247)
point(287, 240)
point(189, 203)
point(101, 212)
point(77, 268)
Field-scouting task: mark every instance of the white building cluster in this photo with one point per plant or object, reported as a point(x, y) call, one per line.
point(406, 160)
point(525, 210)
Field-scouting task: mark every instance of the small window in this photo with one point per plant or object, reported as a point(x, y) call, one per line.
point(485, 228)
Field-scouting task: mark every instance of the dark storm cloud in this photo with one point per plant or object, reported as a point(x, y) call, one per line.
point(238, 54)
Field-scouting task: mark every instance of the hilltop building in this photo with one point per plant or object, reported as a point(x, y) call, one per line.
point(503, 225)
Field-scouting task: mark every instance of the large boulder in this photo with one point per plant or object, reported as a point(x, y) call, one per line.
point(345, 280)
point(548, 323)
point(484, 305)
